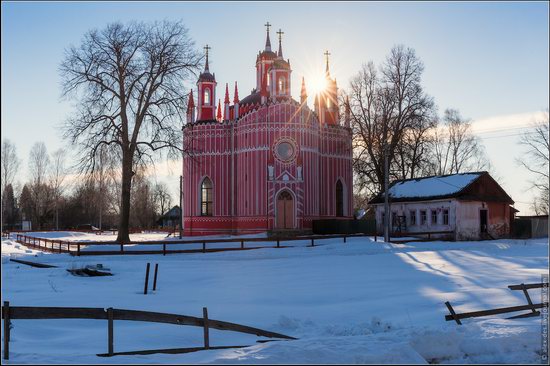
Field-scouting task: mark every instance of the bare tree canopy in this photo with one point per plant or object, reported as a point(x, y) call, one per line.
point(10, 163)
point(388, 107)
point(536, 160)
point(129, 85)
point(455, 149)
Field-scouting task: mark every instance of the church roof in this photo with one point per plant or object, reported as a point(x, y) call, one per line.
point(251, 99)
point(280, 64)
point(207, 76)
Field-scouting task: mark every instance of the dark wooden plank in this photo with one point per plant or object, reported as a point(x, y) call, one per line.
point(205, 327)
point(146, 279)
point(7, 311)
point(155, 277)
point(110, 331)
point(168, 351)
point(527, 286)
point(475, 314)
point(33, 264)
point(43, 312)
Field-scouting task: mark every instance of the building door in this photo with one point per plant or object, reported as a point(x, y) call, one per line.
point(483, 221)
point(285, 211)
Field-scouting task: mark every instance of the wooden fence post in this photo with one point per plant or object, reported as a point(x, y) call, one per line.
point(6, 330)
point(205, 320)
point(278, 244)
point(204, 247)
point(164, 249)
point(312, 242)
point(344, 238)
point(452, 311)
point(110, 325)
point(146, 279)
point(242, 244)
point(121, 247)
point(78, 249)
point(155, 277)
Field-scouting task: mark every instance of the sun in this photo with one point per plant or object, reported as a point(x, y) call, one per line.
point(317, 84)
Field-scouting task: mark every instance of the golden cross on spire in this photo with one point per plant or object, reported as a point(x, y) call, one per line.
point(267, 25)
point(280, 33)
point(327, 54)
point(206, 48)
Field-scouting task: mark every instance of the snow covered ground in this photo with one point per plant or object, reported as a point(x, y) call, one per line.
point(359, 302)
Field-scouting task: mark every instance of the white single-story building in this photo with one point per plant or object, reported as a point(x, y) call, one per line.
point(467, 206)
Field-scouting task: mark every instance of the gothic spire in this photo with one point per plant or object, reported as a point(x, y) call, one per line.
point(267, 41)
point(303, 93)
point(236, 97)
point(206, 48)
point(280, 53)
point(327, 54)
point(219, 114)
point(226, 100)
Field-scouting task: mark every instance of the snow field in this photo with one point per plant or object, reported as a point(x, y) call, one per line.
point(360, 302)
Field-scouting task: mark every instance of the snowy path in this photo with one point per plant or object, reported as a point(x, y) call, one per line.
point(360, 302)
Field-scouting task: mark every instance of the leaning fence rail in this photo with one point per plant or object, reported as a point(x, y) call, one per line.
point(76, 247)
point(10, 313)
point(532, 308)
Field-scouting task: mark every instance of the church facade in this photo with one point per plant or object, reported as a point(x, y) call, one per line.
point(265, 162)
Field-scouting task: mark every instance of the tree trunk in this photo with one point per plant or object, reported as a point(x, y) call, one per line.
point(124, 218)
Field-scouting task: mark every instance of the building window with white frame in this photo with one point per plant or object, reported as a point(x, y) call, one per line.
point(434, 217)
point(423, 217)
point(207, 96)
point(445, 217)
point(412, 218)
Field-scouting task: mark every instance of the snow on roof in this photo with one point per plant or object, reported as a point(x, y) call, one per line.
point(432, 186)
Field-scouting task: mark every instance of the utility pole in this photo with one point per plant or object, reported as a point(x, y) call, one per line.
point(386, 194)
point(181, 206)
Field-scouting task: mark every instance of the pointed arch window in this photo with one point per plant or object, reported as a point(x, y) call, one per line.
point(281, 85)
point(339, 199)
point(206, 197)
point(206, 96)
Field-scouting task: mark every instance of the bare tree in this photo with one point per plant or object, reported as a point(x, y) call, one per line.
point(41, 192)
point(10, 163)
point(58, 174)
point(455, 149)
point(162, 198)
point(128, 81)
point(536, 160)
point(386, 106)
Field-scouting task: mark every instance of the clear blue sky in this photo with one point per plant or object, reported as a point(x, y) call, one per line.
point(486, 59)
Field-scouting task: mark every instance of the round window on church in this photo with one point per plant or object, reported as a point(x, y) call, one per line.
point(285, 151)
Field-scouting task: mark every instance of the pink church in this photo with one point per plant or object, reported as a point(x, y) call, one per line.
point(266, 163)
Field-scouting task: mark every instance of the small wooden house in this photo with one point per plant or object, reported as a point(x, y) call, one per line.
point(468, 206)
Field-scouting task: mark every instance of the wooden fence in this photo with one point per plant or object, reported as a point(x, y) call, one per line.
point(75, 247)
point(532, 308)
point(10, 313)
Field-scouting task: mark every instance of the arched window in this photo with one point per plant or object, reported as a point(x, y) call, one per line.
point(206, 197)
point(281, 85)
point(207, 96)
point(339, 199)
point(328, 103)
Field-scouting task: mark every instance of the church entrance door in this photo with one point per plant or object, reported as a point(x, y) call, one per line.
point(285, 211)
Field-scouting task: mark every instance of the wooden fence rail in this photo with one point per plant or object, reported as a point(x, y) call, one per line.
point(10, 313)
point(510, 309)
point(75, 247)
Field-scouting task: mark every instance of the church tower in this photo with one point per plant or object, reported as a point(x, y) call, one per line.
point(326, 102)
point(264, 61)
point(279, 74)
point(206, 97)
